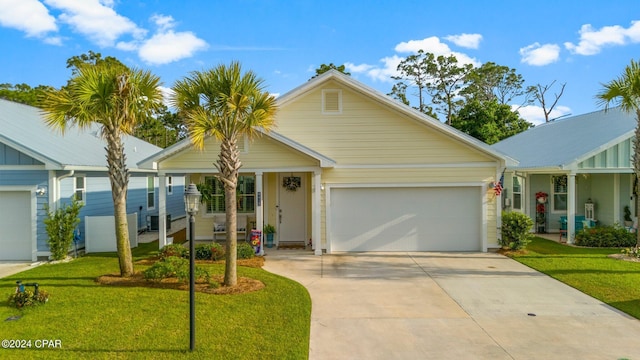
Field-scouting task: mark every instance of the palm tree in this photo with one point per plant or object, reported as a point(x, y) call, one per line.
point(625, 92)
point(115, 98)
point(228, 104)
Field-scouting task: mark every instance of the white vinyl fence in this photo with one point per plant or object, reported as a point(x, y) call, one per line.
point(100, 233)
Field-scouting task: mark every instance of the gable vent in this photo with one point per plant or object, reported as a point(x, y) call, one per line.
point(331, 101)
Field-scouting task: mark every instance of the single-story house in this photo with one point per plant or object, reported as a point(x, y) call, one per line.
point(348, 168)
point(583, 163)
point(39, 166)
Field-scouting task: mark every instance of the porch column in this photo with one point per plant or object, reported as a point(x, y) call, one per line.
point(162, 211)
point(571, 207)
point(260, 209)
point(315, 213)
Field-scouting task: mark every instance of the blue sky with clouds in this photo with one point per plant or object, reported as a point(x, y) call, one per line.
point(580, 43)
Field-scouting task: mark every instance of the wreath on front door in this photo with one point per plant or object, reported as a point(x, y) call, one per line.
point(291, 183)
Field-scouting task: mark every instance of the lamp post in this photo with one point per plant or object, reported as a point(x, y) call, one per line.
point(191, 202)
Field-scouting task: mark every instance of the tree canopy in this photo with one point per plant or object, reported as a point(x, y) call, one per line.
point(477, 100)
point(324, 68)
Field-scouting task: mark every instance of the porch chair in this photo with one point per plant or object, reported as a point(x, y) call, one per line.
point(579, 224)
point(219, 222)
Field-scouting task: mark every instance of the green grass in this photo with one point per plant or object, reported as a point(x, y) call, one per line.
point(105, 322)
point(589, 270)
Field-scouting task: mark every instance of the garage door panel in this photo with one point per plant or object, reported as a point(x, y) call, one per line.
point(405, 219)
point(15, 225)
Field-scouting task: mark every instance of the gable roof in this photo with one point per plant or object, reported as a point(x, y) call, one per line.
point(562, 144)
point(150, 162)
point(393, 104)
point(22, 127)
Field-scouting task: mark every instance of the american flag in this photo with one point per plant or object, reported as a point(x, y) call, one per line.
point(498, 187)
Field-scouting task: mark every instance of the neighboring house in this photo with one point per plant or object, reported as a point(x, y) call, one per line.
point(39, 166)
point(577, 161)
point(349, 169)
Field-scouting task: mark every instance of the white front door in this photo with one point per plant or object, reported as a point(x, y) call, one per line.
point(292, 209)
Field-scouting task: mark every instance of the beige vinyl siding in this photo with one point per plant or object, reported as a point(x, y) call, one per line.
point(408, 175)
point(262, 153)
point(383, 136)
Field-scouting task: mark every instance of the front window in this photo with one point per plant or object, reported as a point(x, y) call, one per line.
point(245, 194)
point(80, 189)
point(559, 193)
point(517, 194)
point(151, 192)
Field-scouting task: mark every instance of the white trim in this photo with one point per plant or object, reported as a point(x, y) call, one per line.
point(418, 166)
point(316, 213)
point(484, 202)
point(162, 210)
point(616, 200)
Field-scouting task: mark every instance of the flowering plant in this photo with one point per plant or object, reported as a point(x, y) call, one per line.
point(541, 194)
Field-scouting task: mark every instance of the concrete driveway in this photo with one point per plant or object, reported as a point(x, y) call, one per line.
point(450, 306)
point(8, 268)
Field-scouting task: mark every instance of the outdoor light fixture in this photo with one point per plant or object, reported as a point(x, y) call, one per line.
point(41, 191)
point(191, 203)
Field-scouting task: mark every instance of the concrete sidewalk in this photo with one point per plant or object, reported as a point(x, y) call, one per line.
point(450, 305)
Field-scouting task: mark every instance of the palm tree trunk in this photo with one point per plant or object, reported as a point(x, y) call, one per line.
point(636, 163)
point(228, 164)
point(119, 177)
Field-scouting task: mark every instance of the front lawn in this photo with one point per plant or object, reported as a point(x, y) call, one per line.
point(615, 282)
point(106, 322)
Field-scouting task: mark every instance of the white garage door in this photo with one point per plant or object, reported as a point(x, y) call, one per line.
point(15, 225)
point(406, 219)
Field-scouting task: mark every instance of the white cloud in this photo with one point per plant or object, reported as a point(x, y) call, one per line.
point(431, 45)
point(29, 16)
point(470, 41)
point(535, 114)
point(351, 67)
point(97, 20)
point(164, 48)
point(539, 55)
point(389, 65)
point(592, 41)
point(166, 45)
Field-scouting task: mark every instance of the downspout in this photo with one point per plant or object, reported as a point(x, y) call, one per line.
point(57, 189)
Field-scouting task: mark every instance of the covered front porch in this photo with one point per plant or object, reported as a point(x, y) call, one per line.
point(598, 197)
point(279, 184)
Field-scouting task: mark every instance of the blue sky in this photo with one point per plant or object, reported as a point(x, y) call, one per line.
point(580, 43)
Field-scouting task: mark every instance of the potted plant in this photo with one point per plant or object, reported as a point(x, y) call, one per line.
point(269, 230)
point(628, 222)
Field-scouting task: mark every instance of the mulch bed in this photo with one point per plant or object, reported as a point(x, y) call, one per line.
point(244, 284)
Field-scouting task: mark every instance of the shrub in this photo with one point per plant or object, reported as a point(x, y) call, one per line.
point(217, 252)
point(632, 252)
point(515, 230)
point(60, 225)
point(174, 250)
point(245, 251)
point(174, 266)
point(203, 251)
point(28, 298)
point(605, 236)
